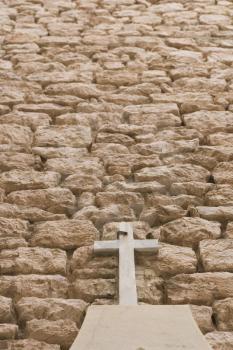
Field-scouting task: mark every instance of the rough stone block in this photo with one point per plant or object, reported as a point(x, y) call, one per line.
point(223, 314)
point(62, 332)
point(16, 134)
point(92, 289)
point(40, 286)
point(65, 234)
point(13, 233)
point(203, 317)
point(56, 200)
point(217, 255)
point(8, 331)
point(189, 231)
point(27, 344)
point(33, 260)
point(16, 180)
point(63, 136)
point(199, 288)
point(220, 340)
point(51, 309)
point(6, 310)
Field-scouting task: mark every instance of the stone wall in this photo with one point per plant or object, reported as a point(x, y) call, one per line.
point(114, 110)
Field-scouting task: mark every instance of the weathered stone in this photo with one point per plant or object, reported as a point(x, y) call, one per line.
point(33, 260)
point(166, 147)
point(56, 200)
point(15, 160)
point(16, 134)
point(140, 230)
point(28, 213)
point(209, 122)
point(8, 331)
point(31, 120)
point(62, 332)
point(15, 180)
point(99, 217)
point(220, 139)
point(133, 200)
point(6, 310)
point(189, 231)
point(69, 166)
point(223, 173)
point(222, 314)
point(40, 286)
point(220, 340)
point(62, 136)
point(51, 309)
point(162, 213)
point(170, 260)
point(217, 255)
point(80, 182)
point(220, 195)
point(91, 289)
point(199, 288)
point(77, 89)
point(191, 188)
point(27, 344)
point(149, 286)
point(141, 187)
point(59, 152)
point(221, 213)
point(229, 230)
point(203, 317)
point(167, 175)
point(64, 234)
point(13, 233)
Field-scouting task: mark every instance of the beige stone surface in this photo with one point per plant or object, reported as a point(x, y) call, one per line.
point(189, 231)
point(6, 310)
point(199, 288)
point(62, 332)
point(32, 260)
point(52, 309)
point(64, 234)
point(203, 317)
point(27, 344)
point(220, 340)
point(216, 255)
point(8, 331)
point(222, 314)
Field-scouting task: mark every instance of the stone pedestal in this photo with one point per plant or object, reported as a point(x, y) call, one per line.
point(143, 327)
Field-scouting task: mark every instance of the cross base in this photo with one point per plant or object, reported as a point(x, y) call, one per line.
point(143, 327)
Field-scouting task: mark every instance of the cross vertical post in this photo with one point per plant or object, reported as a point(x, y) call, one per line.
point(126, 244)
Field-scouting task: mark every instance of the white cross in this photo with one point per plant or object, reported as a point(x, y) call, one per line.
point(126, 246)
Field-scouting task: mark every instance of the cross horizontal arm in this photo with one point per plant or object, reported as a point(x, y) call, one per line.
point(101, 247)
point(150, 245)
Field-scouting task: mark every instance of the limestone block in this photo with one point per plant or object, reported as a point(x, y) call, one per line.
point(99, 217)
point(27, 344)
point(85, 264)
point(80, 182)
point(62, 332)
point(170, 260)
point(223, 314)
point(126, 129)
point(189, 231)
point(16, 134)
point(52, 109)
point(220, 195)
point(8, 331)
point(149, 286)
point(31, 120)
point(166, 175)
point(177, 134)
point(63, 29)
point(221, 213)
point(199, 288)
point(229, 230)
point(220, 340)
point(162, 214)
point(153, 118)
point(194, 188)
point(125, 99)
point(56, 200)
point(57, 77)
point(68, 166)
point(6, 310)
point(13, 233)
point(166, 147)
point(217, 255)
point(215, 19)
point(199, 84)
point(103, 149)
point(15, 180)
point(117, 78)
point(59, 152)
point(223, 173)
point(64, 234)
point(57, 136)
point(131, 161)
point(132, 199)
point(208, 122)
point(220, 139)
point(28, 213)
point(86, 199)
point(16, 160)
point(203, 317)
point(124, 140)
point(141, 187)
point(53, 309)
point(77, 89)
point(54, 40)
point(91, 289)
point(33, 260)
point(40, 286)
